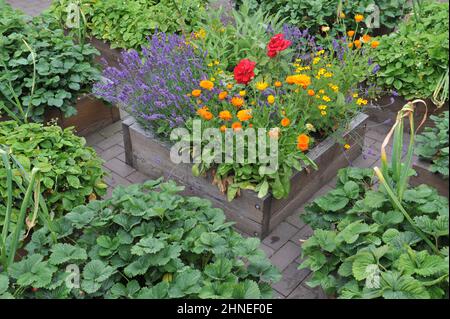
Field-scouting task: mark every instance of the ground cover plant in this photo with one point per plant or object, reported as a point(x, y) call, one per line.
point(41, 67)
point(145, 242)
point(71, 174)
point(127, 24)
point(413, 59)
point(433, 144)
point(389, 241)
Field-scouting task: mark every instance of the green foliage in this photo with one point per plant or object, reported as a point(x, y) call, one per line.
point(433, 144)
point(127, 24)
point(70, 171)
point(63, 68)
point(145, 242)
point(365, 248)
point(316, 13)
point(413, 59)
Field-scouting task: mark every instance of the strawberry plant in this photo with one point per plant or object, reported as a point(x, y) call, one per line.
point(71, 173)
point(433, 144)
point(389, 241)
point(147, 241)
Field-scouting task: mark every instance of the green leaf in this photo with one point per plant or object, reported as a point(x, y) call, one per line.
point(94, 274)
point(148, 245)
point(397, 286)
point(62, 253)
point(362, 265)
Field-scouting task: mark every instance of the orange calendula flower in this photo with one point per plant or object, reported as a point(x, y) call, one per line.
point(237, 101)
point(244, 115)
point(303, 142)
point(229, 86)
point(205, 113)
point(366, 38)
point(278, 84)
point(347, 146)
point(236, 126)
point(196, 93)
point(374, 44)
point(300, 79)
point(223, 95)
point(285, 122)
point(311, 92)
point(357, 43)
point(350, 45)
point(271, 99)
point(359, 18)
point(207, 85)
point(225, 115)
point(223, 128)
point(350, 33)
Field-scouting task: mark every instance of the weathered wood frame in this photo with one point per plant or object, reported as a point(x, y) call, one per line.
point(253, 215)
point(425, 176)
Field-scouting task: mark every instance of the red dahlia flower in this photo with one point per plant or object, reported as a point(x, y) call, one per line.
point(277, 44)
point(244, 71)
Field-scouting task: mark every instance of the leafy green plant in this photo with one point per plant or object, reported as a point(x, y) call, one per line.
point(145, 242)
point(127, 24)
point(433, 144)
point(71, 173)
point(413, 59)
point(54, 73)
point(390, 242)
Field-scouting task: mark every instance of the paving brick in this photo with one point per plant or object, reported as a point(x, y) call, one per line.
point(116, 139)
point(114, 180)
point(121, 157)
point(269, 251)
point(280, 235)
point(292, 277)
point(364, 161)
point(112, 152)
point(285, 255)
point(93, 140)
point(295, 219)
point(119, 167)
point(137, 177)
point(302, 234)
point(112, 129)
point(302, 292)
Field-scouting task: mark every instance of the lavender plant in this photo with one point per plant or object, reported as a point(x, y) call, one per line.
point(154, 86)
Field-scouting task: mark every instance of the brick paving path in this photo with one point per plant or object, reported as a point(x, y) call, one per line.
point(282, 246)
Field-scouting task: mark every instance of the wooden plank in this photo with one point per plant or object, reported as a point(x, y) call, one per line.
point(424, 176)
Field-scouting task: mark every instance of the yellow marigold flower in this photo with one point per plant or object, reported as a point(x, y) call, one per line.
point(321, 91)
point(225, 115)
point(212, 79)
point(237, 101)
point(196, 93)
point(334, 87)
point(355, 95)
point(361, 101)
point(207, 85)
point(242, 93)
point(285, 122)
point(321, 71)
point(326, 98)
point(366, 38)
point(229, 86)
point(261, 86)
point(216, 62)
point(322, 107)
point(321, 52)
point(200, 34)
point(316, 60)
point(347, 146)
point(244, 115)
point(374, 44)
point(271, 99)
point(323, 113)
point(210, 65)
point(300, 79)
point(310, 127)
point(223, 95)
point(278, 84)
point(359, 18)
point(328, 75)
point(223, 128)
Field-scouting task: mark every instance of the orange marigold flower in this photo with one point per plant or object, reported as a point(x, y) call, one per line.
point(244, 115)
point(351, 33)
point(278, 84)
point(205, 113)
point(223, 95)
point(225, 115)
point(207, 85)
point(285, 122)
point(237, 101)
point(196, 93)
point(300, 79)
point(311, 92)
point(223, 128)
point(350, 45)
point(271, 99)
point(236, 126)
point(374, 44)
point(366, 38)
point(359, 18)
point(303, 142)
point(357, 43)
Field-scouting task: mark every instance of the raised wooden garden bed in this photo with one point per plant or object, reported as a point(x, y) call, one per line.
point(92, 115)
point(424, 176)
point(112, 56)
point(385, 109)
point(253, 215)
